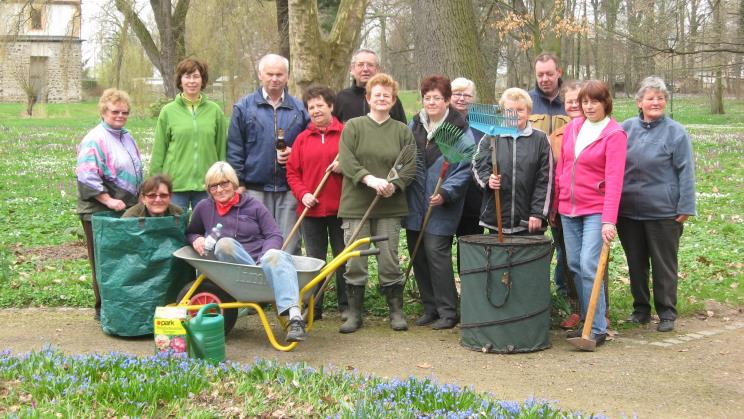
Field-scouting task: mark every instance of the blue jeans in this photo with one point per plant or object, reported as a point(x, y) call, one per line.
point(583, 238)
point(277, 266)
point(188, 198)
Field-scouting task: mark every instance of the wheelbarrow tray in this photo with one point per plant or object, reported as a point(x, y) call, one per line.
point(247, 283)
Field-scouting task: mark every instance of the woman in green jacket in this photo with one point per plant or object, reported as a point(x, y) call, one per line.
point(191, 135)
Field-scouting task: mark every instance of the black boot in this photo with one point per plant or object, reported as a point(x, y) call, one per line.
point(354, 313)
point(394, 296)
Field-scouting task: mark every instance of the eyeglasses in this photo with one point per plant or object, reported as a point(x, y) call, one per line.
point(125, 113)
point(433, 98)
point(157, 196)
point(363, 65)
point(221, 185)
point(462, 95)
point(192, 76)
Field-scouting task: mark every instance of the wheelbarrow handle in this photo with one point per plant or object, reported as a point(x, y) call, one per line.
point(369, 252)
point(380, 238)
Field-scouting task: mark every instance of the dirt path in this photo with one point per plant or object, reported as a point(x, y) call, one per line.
point(698, 373)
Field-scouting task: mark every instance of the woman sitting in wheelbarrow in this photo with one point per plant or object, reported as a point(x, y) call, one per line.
point(248, 234)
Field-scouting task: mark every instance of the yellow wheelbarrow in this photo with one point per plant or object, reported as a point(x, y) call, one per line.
point(233, 286)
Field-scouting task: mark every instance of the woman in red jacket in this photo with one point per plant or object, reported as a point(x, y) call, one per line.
point(589, 180)
point(315, 152)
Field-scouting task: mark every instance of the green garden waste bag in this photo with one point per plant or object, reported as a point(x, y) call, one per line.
point(136, 269)
point(505, 293)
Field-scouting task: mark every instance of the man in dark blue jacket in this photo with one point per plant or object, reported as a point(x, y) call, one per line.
point(546, 98)
point(259, 121)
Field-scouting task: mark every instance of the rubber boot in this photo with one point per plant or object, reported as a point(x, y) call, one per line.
point(354, 313)
point(394, 297)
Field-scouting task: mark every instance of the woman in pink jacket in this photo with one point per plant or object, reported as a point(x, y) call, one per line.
point(589, 180)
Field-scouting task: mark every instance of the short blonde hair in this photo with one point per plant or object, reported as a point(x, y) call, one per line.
point(111, 96)
point(517, 95)
point(220, 171)
point(384, 80)
point(461, 83)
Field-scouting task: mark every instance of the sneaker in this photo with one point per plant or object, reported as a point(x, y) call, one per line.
point(639, 318)
point(442, 324)
point(599, 339)
point(571, 321)
point(665, 326)
point(296, 330)
point(426, 318)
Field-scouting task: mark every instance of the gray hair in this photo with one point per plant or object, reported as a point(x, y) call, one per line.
point(652, 83)
point(271, 57)
point(461, 83)
point(362, 51)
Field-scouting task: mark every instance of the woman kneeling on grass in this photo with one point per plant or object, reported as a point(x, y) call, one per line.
point(248, 234)
point(155, 199)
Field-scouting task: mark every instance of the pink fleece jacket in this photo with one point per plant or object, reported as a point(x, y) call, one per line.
point(591, 183)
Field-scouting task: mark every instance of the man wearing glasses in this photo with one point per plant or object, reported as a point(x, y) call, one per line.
point(352, 102)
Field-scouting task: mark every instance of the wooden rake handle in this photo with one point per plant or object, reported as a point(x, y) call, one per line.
point(304, 211)
point(425, 223)
point(497, 193)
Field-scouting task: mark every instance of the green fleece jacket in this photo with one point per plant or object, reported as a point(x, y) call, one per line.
point(369, 148)
point(188, 141)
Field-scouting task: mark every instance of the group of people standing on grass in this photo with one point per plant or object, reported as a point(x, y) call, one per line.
point(569, 165)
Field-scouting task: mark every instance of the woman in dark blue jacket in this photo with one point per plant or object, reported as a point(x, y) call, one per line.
point(433, 263)
point(658, 196)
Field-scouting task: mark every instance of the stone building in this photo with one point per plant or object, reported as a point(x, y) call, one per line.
point(40, 50)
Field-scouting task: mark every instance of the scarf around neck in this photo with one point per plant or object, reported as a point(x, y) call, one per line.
point(223, 209)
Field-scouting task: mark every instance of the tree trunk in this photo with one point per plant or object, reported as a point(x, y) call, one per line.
point(447, 43)
point(317, 58)
point(716, 98)
point(282, 25)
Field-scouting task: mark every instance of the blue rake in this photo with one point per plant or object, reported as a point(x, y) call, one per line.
point(492, 119)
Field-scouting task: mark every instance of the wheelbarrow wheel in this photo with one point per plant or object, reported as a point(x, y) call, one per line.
point(207, 293)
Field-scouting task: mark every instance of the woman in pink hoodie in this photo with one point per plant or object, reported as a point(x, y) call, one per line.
point(589, 180)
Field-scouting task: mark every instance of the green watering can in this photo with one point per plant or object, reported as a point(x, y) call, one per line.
point(207, 334)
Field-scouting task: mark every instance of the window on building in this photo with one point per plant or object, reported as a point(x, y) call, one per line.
point(35, 19)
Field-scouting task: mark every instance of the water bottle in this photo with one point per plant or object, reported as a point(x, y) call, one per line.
point(211, 240)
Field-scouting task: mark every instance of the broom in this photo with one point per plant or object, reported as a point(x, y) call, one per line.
point(455, 148)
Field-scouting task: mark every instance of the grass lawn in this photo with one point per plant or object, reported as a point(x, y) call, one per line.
point(37, 189)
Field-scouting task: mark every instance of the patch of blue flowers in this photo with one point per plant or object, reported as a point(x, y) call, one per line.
point(117, 384)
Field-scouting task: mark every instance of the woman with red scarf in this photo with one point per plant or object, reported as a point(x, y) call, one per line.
point(248, 234)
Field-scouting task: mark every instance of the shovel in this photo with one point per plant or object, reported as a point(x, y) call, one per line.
point(585, 343)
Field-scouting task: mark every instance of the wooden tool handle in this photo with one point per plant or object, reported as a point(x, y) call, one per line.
point(598, 278)
point(304, 212)
point(496, 193)
point(420, 238)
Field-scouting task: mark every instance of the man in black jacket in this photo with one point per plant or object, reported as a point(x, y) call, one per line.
point(351, 102)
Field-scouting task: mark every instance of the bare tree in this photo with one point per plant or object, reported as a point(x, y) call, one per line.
point(170, 20)
point(318, 57)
